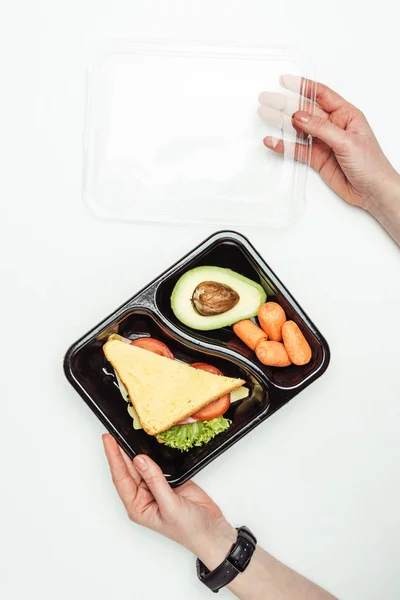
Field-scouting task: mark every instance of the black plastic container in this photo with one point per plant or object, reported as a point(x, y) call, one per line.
point(149, 313)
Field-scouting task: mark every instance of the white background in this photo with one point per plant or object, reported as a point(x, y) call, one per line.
point(318, 482)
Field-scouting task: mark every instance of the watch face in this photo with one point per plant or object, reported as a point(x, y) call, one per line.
point(245, 530)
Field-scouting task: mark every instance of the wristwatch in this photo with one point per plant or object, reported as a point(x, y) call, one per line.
point(235, 563)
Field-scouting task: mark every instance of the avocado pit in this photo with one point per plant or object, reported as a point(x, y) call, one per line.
point(213, 298)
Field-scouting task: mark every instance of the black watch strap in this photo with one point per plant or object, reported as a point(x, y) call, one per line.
point(236, 562)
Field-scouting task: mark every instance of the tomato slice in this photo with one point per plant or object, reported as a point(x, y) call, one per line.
point(207, 367)
point(153, 345)
point(217, 408)
point(213, 410)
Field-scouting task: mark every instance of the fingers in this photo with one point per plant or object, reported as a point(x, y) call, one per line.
point(157, 484)
point(288, 104)
point(297, 151)
point(328, 99)
point(318, 155)
point(323, 129)
point(276, 118)
point(280, 120)
point(122, 479)
point(131, 468)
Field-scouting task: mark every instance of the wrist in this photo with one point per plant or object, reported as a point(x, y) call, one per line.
point(385, 207)
point(385, 194)
point(213, 546)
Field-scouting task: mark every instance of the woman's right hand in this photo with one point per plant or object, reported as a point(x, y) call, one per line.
point(345, 151)
point(186, 515)
point(190, 517)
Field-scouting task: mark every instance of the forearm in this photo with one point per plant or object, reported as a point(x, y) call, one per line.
point(385, 207)
point(265, 577)
point(268, 578)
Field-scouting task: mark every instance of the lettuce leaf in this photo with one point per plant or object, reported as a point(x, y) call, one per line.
point(184, 437)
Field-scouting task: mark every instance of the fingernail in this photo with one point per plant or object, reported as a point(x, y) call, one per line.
point(301, 116)
point(140, 463)
point(270, 142)
point(106, 438)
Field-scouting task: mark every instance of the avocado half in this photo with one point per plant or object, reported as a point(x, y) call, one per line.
point(251, 296)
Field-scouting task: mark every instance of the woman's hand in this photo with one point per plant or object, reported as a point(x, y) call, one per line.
point(186, 515)
point(345, 151)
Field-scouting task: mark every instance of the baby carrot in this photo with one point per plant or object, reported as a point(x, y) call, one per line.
point(272, 317)
point(249, 333)
point(296, 345)
point(272, 354)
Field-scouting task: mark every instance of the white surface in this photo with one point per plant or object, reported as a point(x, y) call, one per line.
point(318, 482)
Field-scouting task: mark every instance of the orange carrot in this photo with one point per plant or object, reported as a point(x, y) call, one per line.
point(249, 333)
point(272, 317)
point(272, 354)
point(296, 345)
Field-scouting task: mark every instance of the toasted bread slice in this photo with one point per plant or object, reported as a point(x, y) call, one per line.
point(164, 391)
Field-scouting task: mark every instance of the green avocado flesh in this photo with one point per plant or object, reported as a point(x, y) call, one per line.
point(251, 296)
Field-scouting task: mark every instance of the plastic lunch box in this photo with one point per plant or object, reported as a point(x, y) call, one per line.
point(149, 313)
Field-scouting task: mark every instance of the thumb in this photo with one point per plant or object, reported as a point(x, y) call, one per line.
point(320, 128)
point(157, 484)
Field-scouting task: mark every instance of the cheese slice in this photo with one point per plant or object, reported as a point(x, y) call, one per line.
point(164, 391)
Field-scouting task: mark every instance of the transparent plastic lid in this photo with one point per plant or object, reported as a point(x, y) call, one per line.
point(174, 134)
